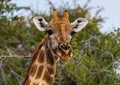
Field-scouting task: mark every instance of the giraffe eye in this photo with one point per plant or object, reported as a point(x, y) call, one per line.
point(50, 32)
point(73, 32)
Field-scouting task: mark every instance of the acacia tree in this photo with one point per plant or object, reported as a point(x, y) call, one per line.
point(13, 36)
point(95, 57)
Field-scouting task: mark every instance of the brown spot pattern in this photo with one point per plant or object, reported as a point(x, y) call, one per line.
point(50, 70)
point(50, 59)
point(39, 72)
point(32, 70)
point(41, 56)
point(35, 56)
point(48, 78)
point(35, 84)
point(36, 53)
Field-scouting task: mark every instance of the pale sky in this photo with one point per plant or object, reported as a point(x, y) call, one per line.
point(111, 9)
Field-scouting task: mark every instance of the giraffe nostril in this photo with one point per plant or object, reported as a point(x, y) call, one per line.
point(68, 47)
point(64, 46)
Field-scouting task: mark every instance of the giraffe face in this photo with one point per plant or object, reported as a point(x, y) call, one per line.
point(60, 32)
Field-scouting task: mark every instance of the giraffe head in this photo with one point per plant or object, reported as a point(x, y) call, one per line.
point(60, 32)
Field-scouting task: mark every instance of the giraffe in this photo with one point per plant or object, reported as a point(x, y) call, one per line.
point(54, 47)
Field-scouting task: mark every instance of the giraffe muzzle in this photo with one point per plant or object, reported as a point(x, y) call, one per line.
point(65, 48)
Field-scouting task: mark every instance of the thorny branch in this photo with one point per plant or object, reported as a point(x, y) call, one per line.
point(3, 65)
point(3, 76)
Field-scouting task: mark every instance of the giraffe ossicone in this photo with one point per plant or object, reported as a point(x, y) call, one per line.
point(55, 46)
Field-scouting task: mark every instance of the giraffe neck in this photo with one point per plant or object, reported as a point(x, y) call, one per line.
point(43, 66)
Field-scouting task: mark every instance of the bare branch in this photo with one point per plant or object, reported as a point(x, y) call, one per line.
point(3, 75)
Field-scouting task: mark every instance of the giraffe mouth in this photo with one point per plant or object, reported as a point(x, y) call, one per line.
point(64, 56)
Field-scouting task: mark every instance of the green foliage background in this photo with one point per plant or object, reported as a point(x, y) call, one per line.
point(96, 55)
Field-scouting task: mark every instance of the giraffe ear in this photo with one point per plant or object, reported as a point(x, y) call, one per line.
point(40, 23)
point(79, 24)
